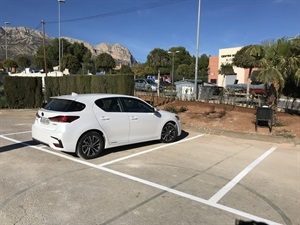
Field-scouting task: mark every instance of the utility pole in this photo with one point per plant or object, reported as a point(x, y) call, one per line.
point(158, 84)
point(59, 44)
point(173, 56)
point(45, 62)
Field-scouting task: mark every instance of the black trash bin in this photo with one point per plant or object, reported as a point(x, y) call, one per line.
point(264, 116)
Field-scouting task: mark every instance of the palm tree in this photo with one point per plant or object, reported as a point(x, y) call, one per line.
point(249, 57)
point(281, 61)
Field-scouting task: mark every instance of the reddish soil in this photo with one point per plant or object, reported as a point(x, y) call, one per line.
point(222, 118)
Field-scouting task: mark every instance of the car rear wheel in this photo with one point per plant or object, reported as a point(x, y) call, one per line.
point(169, 133)
point(90, 145)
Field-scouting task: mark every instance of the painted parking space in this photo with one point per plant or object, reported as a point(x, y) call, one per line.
point(188, 181)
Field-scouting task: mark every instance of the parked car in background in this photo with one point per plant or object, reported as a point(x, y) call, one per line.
point(88, 123)
point(240, 88)
point(258, 89)
point(141, 84)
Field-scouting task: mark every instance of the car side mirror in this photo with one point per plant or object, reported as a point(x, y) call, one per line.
point(156, 112)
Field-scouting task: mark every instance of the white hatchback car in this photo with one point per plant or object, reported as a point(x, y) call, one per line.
point(88, 123)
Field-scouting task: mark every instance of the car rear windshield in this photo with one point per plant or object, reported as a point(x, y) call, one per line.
point(64, 105)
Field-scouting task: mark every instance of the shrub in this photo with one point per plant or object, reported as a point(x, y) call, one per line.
point(182, 109)
point(173, 109)
point(3, 103)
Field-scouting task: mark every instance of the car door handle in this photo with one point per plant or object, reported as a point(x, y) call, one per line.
point(104, 118)
point(134, 118)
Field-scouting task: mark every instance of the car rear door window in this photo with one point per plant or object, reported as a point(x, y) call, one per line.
point(109, 104)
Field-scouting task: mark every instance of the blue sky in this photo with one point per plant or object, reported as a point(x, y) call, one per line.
point(142, 25)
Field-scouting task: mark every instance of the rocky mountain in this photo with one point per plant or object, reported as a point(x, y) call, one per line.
point(25, 41)
point(121, 54)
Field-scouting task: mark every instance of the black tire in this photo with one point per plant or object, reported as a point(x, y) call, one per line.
point(90, 145)
point(169, 133)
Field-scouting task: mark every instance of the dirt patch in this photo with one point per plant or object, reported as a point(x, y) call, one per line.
point(218, 118)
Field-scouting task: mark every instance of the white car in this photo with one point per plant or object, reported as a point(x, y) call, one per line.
point(88, 123)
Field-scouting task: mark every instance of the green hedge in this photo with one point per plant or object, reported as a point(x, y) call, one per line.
point(27, 92)
point(118, 84)
point(23, 92)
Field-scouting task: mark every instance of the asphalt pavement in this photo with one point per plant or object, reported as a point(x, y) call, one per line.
point(203, 178)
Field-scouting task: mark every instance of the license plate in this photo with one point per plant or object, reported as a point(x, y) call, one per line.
point(45, 120)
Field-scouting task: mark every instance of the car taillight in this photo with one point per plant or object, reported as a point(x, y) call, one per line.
point(63, 119)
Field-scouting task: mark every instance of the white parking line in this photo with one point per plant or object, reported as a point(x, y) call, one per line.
point(240, 176)
point(191, 197)
point(23, 132)
point(149, 150)
point(152, 184)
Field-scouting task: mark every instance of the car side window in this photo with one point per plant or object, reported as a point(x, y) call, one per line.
point(135, 105)
point(76, 106)
point(109, 104)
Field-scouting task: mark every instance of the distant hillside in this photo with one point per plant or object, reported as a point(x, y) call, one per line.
point(22, 40)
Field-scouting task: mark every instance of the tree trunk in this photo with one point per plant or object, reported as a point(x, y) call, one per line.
point(271, 100)
point(248, 84)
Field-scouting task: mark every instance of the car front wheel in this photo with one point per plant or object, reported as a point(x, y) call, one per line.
point(169, 133)
point(90, 145)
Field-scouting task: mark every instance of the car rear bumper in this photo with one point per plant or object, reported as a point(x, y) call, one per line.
point(54, 140)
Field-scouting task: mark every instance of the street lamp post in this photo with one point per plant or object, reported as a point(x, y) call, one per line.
point(197, 51)
point(6, 39)
point(59, 47)
point(173, 54)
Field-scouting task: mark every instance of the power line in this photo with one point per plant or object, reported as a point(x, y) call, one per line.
point(125, 11)
point(38, 26)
